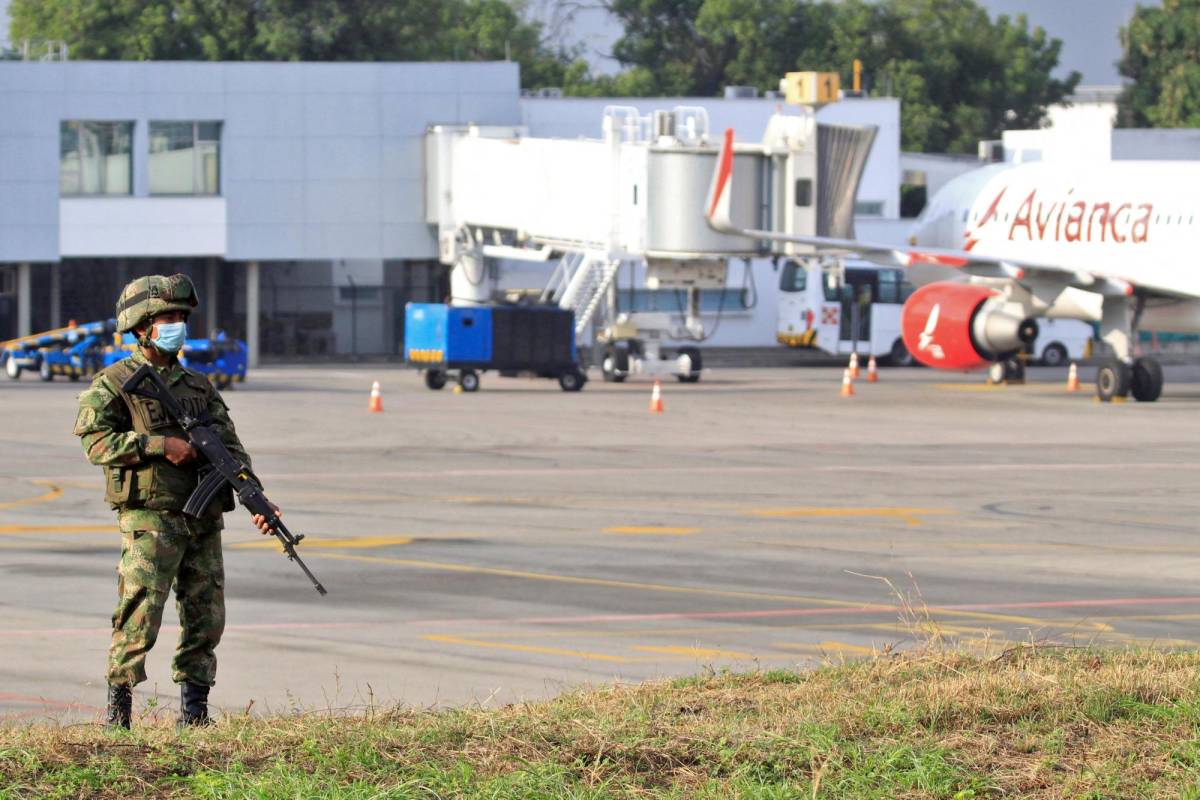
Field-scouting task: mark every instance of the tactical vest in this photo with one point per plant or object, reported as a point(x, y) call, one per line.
point(156, 483)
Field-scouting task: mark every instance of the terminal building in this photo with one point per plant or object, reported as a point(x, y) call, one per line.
point(293, 193)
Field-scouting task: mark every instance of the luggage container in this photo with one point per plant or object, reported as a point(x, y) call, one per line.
point(463, 342)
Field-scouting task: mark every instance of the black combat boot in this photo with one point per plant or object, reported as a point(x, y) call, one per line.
point(193, 704)
point(120, 707)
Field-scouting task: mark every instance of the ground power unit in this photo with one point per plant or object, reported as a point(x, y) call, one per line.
point(462, 342)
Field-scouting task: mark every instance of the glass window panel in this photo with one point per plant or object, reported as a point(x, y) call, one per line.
point(185, 157)
point(95, 157)
point(889, 286)
point(794, 277)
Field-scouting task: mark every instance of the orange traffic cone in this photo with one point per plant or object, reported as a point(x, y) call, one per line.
point(847, 384)
point(376, 403)
point(656, 403)
point(872, 373)
point(1073, 378)
point(854, 366)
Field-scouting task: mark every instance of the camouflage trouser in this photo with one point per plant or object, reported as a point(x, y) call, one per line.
point(160, 549)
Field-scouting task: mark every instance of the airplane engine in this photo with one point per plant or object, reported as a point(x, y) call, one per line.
point(952, 325)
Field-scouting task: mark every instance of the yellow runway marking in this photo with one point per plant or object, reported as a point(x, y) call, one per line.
point(912, 516)
point(528, 648)
point(605, 582)
point(313, 543)
point(470, 569)
point(54, 493)
point(17, 530)
point(839, 647)
point(651, 530)
point(693, 652)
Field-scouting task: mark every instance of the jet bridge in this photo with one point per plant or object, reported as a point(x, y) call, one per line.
point(636, 195)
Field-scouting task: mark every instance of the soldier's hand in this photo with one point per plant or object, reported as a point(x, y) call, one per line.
point(180, 451)
point(261, 522)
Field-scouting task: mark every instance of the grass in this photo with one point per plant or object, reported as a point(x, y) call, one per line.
point(1034, 722)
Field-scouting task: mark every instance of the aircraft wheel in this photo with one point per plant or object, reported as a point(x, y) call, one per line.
point(435, 379)
point(693, 376)
point(614, 366)
point(1113, 380)
point(44, 371)
point(1010, 370)
point(12, 369)
point(469, 380)
point(1146, 384)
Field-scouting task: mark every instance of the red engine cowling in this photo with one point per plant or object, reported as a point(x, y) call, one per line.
point(937, 321)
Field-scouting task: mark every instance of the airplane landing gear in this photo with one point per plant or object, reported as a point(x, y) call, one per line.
point(1008, 371)
point(1146, 383)
point(1113, 380)
point(1143, 377)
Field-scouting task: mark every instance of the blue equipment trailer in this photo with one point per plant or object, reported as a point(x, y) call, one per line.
point(512, 340)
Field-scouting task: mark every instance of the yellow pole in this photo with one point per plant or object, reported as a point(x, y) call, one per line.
point(857, 75)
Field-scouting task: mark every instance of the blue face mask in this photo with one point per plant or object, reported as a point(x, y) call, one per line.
point(170, 336)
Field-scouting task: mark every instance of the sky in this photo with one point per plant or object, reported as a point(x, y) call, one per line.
point(1088, 29)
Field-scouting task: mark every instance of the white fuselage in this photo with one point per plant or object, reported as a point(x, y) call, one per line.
point(1137, 221)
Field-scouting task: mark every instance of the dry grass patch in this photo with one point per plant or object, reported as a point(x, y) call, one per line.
point(1032, 723)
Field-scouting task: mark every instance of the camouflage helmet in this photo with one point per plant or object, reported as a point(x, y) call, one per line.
point(145, 298)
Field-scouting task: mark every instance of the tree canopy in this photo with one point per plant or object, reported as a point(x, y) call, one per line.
point(1162, 57)
point(961, 75)
point(295, 30)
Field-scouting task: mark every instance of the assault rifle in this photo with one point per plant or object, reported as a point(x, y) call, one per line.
point(222, 467)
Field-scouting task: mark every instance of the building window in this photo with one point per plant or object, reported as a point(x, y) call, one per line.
point(95, 158)
point(185, 157)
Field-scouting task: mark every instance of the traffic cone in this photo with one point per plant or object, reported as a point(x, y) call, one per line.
point(656, 403)
point(872, 373)
point(1073, 378)
point(854, 366)
point(376, 403)
point(847, 383)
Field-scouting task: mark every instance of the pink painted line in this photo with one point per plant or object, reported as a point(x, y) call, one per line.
point(870, 608)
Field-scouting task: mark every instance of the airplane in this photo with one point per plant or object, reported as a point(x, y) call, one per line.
point(1001, 246)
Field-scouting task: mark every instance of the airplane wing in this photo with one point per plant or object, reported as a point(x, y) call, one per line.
point(944, 261)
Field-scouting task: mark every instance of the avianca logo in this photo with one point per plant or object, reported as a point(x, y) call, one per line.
point(925, 340)
point(1067, 220)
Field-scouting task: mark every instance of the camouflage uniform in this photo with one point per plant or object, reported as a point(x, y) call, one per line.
point(160, 546)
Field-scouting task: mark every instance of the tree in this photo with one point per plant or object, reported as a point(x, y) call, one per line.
point(960, 75)
point(294, 30)
point(1162, 57)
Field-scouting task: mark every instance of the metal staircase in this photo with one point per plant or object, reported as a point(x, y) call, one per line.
point(580, 283)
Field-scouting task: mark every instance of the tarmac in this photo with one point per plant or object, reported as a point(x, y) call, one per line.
point(520, 541)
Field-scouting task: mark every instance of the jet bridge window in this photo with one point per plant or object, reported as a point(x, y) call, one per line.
point(804, 192)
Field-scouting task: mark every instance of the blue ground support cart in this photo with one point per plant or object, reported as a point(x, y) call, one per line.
point(221, 359)
point(514, 340)
point(75, 351)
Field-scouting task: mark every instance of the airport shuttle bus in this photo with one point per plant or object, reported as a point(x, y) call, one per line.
point(858, 309)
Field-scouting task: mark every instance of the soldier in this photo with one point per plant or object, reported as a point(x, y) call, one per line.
point(150, 471)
